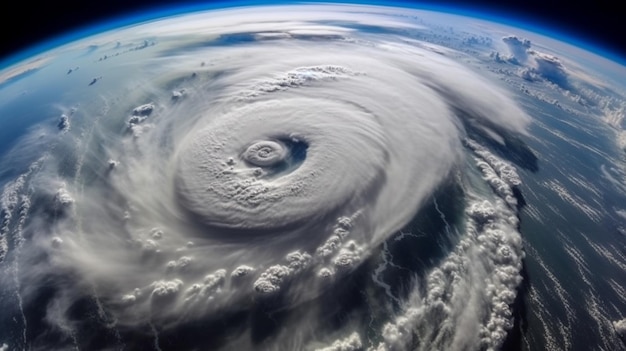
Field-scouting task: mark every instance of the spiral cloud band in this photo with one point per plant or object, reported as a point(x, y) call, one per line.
point(259, 160)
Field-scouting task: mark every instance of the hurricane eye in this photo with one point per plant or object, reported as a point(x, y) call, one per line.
point(265, 153)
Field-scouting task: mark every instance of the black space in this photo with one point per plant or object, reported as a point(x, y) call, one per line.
point(600, 23)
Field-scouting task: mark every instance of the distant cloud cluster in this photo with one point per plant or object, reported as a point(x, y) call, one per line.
point(518, 48)
point(550, 67)
point(537, 64)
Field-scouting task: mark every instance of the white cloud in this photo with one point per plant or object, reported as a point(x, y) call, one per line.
point(241, 271)
point(348, 256)
point(271, 279)
point(181, 264)
point(550, 67)
point(62, 197)
point(143, 110)
point(165, 288)
point(499, 174)
point(350, 343)
point(295, 78)
point(518, 47)
point(620, 328)
point(64, 123)
point(538, 64)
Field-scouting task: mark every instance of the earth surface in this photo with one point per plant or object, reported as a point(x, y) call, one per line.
point(313, 177)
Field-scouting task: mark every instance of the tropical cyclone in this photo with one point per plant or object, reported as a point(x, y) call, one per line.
point(279, 173)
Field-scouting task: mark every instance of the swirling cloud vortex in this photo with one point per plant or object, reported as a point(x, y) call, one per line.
point(302, 149)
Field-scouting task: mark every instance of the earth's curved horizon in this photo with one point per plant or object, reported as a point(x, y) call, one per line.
point(313, 177)
point(591, 28)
